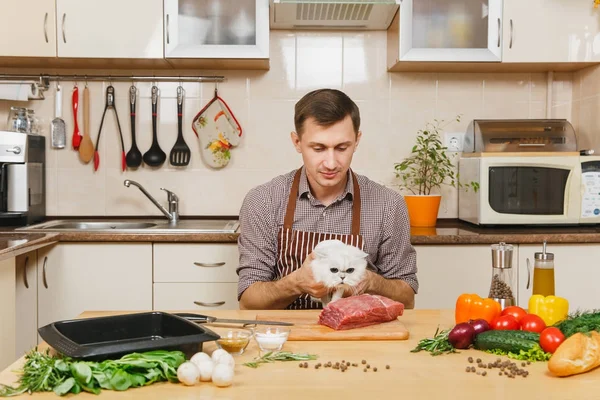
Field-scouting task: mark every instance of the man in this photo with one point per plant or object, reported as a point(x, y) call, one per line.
point(281, 221)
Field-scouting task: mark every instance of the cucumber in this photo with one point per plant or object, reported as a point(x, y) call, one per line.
point(510, 341)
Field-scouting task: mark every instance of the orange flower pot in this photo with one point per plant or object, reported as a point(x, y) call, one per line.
point(423, 209)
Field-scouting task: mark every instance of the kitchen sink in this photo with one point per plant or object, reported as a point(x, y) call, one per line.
point(137, 226)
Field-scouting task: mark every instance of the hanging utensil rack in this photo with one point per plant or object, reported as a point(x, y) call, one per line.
point(44, 80)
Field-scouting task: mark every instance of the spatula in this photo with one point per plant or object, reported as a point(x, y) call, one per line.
point(58, 128)
point(180, 153)
point(86, 147)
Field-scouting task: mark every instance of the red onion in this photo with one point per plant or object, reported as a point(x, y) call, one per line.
point(480, 325)
point(461, 336)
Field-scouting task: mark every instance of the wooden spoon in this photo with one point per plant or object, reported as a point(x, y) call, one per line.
point(86, 147)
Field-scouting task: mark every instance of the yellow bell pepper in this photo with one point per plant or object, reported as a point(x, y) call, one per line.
point(550, 308)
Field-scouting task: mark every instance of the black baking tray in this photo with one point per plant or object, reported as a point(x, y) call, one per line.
point(113, 336)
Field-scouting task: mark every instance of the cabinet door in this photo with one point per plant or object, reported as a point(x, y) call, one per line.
point(576, 273)
point(451, 30)
point(550, 31)
point(110, 28)
point(195, 296)
point(7, 312)
point(27, 28)
point(445, 272)
point(26, 295)
point(229, 29)
point(78, 277)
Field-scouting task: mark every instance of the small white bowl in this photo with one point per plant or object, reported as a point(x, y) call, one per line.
point(271, 338)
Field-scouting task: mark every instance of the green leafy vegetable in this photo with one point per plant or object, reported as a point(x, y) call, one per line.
point(436, 346)
point(534, 354)
point(43, 372)
point(279, 356)
point(581, 321)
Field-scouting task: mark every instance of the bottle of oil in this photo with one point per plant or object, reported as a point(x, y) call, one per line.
point(543, 273)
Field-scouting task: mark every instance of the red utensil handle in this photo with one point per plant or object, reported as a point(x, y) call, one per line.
point(76, 135)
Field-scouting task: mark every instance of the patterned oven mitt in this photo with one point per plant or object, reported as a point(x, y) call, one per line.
point(218, 131)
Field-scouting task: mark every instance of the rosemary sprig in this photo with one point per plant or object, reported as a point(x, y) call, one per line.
point(436, 346)
point(280, 356)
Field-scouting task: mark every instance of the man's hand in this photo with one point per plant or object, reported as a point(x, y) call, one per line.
point(305, 279)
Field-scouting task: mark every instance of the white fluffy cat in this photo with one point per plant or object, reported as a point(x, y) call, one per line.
point(337, 266)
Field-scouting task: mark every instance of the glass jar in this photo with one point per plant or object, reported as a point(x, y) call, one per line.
point(17, 120)
point(543, 273)
point(503, 285)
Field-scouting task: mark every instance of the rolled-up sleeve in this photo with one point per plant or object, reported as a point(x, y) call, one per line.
point(257, 243)
point(397, 258)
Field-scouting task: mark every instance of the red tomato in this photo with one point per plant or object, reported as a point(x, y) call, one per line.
point(532, 323)
point(551, 338)
point(505, 323)
point(515, 311)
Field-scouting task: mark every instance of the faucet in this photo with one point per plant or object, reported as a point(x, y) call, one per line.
point(173, 213)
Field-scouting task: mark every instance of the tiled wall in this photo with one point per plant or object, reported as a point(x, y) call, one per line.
point(393, 107)
point(586, 107)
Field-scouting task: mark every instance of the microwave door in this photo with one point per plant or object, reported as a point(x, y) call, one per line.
point(528, 190)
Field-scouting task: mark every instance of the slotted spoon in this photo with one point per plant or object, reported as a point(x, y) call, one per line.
point(180, 153)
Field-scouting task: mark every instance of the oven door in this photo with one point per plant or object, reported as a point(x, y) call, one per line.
point(530, 190)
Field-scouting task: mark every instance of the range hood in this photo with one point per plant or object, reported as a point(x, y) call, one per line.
point(333, 14)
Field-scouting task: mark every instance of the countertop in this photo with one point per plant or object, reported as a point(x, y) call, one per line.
point(14, 242)
point(411, 375)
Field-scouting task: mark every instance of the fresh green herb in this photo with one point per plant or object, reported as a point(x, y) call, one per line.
point(43, 372)
point(279, 356)
point(534, 354)
point(436, 346)
point(580, 321)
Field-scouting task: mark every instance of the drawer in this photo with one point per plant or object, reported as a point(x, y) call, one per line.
point(181, 296)
point(187, 262)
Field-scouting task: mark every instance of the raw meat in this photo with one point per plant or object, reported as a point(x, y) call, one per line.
point(358, 311)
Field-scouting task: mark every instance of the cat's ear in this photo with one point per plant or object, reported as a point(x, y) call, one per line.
point(361, 254)
point(325, 248)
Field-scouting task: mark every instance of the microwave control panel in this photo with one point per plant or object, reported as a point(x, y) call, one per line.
point(590, 179)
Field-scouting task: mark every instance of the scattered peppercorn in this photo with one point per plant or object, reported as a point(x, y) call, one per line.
point(484, 373)
point(363, 362)
point(375, 369)
point(387, 367)
point(365, 370)
point(470, 359)
point(478, 360)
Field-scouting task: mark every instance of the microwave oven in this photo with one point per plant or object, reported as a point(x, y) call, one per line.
point(556, 189)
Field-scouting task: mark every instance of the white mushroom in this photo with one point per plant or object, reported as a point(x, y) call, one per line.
point(222, 375)
point(206, 370)
point(226, 359)
point(217, 353)
point(199, 357)
point(188, 373)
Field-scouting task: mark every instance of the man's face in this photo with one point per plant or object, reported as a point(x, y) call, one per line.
point(327, 151)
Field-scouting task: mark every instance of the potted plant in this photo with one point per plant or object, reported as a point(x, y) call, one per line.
point(426, 169)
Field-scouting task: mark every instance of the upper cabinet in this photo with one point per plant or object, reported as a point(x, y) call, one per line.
point(550, 31)
point(28, 28)
point(109, 28)
point(494, 35)
point(452, 30)
point(208, 29)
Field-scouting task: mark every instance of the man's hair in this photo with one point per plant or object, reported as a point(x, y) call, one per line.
point(327, 107)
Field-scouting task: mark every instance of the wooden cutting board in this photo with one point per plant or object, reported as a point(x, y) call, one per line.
point(307, 328)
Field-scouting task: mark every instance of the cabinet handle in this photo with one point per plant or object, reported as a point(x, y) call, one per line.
point(25, 273)
point(46, 27)
point(499, 32)
point(63, 28)
point(511, 35)
point(210, 265)
point(215, 304)
point(528, 274)
point(44, 273)
point(167, 28)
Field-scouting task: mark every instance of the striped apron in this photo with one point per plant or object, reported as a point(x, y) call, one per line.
point(294, 245)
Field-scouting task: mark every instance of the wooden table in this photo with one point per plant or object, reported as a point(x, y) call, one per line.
point(412, 375)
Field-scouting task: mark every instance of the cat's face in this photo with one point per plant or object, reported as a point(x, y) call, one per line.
point(337, 264)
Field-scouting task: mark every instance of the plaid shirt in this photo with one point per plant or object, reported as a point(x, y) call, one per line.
point(384, 226)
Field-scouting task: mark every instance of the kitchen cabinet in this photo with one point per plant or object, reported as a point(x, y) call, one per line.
point(7, 312)
point(195, 296)
point(550, 31)
point(26, 308)
point(227, 29)
point(110, 29)
point(576, 273)
point(28, 28)
point(78, 277)
point(205, 273)
point(445, 272)
point(454, 30)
